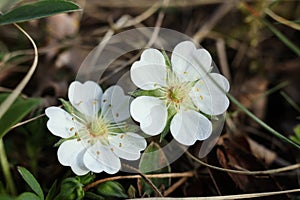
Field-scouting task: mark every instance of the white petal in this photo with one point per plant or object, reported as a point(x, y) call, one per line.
point(100, 158)
point(151, 113)
point(150, 71)
point(60, 122)
point(127, 145)
point(189, 126)
point(190, 63)
point(85, 97)
point(208, 97)
point(70, 153)
point(115, 104)
point(78, 166)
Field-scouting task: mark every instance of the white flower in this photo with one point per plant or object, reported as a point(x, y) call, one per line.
point(180, 92)
point(95, 134)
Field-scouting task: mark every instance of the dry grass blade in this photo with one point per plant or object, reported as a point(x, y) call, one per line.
point(217, 16)
point(282, 20)
point(17, 91)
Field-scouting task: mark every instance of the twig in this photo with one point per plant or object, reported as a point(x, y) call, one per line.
point(223, 58)
point(150, 42)
point(262, 172)
point(155, 189)
point(229, 197)
point(218, 14)
point(26, 121)
point(166, 175)
point(175, 186)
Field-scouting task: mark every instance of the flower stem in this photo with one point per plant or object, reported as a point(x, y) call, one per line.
point(5, 169)
point(251, 115)
point(260, 122)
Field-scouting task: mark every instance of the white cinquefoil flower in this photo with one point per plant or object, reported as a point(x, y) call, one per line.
point(95, 131)
point(179, 94)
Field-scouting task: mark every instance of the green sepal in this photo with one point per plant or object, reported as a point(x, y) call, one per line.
point(67, 105)
point(171, 113)
point(86, 179)
point(167, 60)
point(140, 92)
point(62, 140)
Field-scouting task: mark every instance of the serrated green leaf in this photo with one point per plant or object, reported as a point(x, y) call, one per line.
point(111, 189)
point(7, 4)
point(31, 181)
point(149, 161)
point(19, 109)
point(37, 10)
point(28, 196)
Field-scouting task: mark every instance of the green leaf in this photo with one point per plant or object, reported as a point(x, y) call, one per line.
point(19, 109)
point(295, 139)
point(111, 189)
point(297, 131)
point(93, 196)
point(28, 196)
point(6, 197)
point(37, 10)
point(7, 4)
point(153, 158)
point(52, 191)
point(71, 189)
point(31, 181)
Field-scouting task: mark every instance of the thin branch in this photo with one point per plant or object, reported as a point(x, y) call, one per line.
point(175, 186)
point(166, 175)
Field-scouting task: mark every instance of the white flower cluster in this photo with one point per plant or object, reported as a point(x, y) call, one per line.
point(179, 95)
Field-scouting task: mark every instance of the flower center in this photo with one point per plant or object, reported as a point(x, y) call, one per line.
point(177, 94)
point(98, 127)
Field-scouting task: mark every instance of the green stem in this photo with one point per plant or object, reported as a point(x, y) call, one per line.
point(5, 169)
point(282, 37)
point(260, 122)
point(250, 114)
